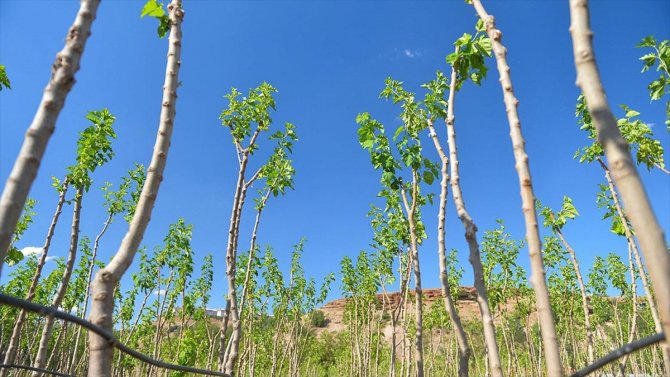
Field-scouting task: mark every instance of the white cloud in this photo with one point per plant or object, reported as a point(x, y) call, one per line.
point(30, 250)
point(411, 53)
point(48, 259)
point(159, 292)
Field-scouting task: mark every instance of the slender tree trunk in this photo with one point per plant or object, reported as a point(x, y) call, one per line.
point(418, 295)
point(537, 278)
point(493, 352)
point(231, 259)
point(44, 123)
point(582, 291)
point(102, 307)
point(450, 306)
point(41, 358)
point(649, 233)
point(14, 341)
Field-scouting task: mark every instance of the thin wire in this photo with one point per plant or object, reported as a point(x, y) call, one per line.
point(48, 311)
point(619, 352)
point(28, 367)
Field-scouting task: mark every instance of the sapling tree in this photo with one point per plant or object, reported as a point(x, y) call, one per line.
point(62, 80)
point(278, 175)
point(624, 173)
point(94, 149)
point(106, 279)
point(659, 57)
point(391, 237)
point(467, 62)
point(403, 178)
point(247, 118)
point(504, 278)
point(556, 221)
point(648, 152)
point(537, 279)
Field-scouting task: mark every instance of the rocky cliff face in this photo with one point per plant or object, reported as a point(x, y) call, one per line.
point(466, 303)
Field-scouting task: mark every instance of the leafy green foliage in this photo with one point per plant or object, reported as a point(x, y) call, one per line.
point(659, 57)
point(468, 59)
point(14, 255)
point(243, 113)
point(502, 274)
point(125, 198)
point(605, 200)
point(4, 80)
point(153, 8)
point(278, 171)
point(318, 319)
point(638, 135)
point(556, 220)
point(94, 148)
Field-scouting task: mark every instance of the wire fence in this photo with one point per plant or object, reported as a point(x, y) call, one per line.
point(107, 335)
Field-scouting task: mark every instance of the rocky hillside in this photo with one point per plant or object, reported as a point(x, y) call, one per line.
point(466, 303)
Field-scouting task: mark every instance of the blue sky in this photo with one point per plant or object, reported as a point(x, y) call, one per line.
point(329, 60)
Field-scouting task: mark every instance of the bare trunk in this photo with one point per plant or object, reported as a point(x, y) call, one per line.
point(493, 352)
point(102, 306)
point(10, 354)
point(44, 123)
point(41, 358)
point(624, 172)
point(537, 278)
point(231, 353)
point(418, 296)
point(461, 338)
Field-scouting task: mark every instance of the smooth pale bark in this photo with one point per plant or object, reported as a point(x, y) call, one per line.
point(665, 349)
point(537, 277)
point(10, 354)
point(43, 125)
point(41, 358)
point(418, 295)
point(225, 352)
point(625, 175)
point(102, 305)
point(461, 338)
point(493, 353)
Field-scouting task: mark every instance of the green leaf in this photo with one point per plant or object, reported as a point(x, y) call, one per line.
point(164, 26)
point(428, 177)
point(4, 80)
point(648, 41)
point(153, 8)
point(486, 45)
